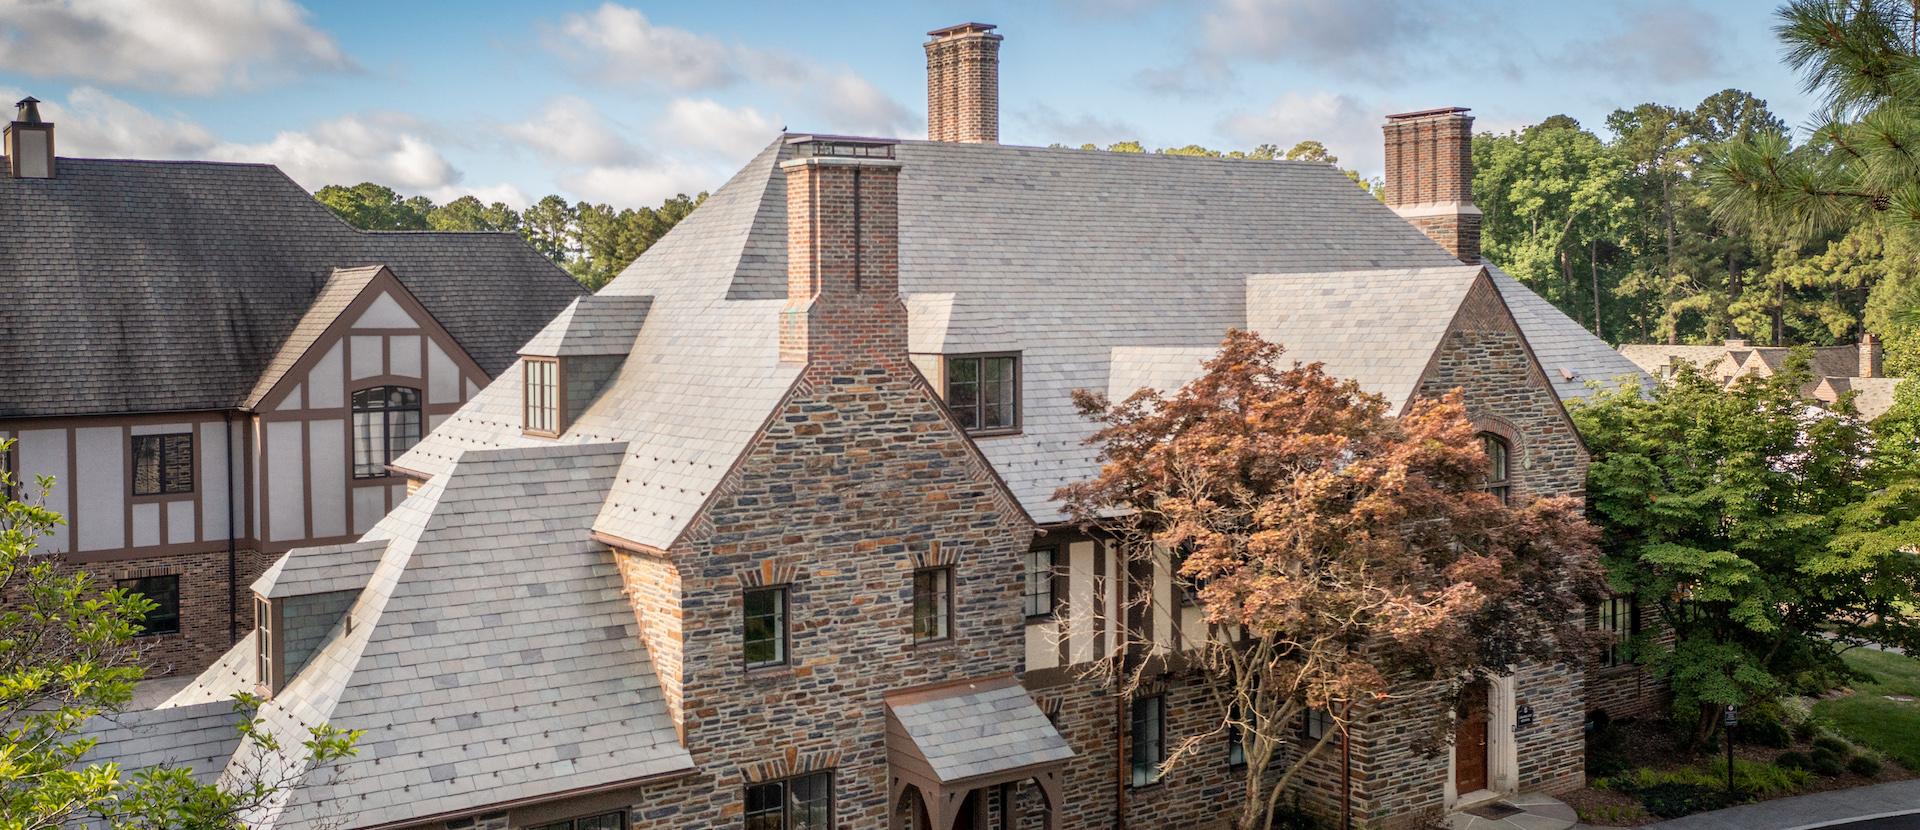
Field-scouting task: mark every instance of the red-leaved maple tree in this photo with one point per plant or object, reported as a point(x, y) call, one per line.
point(1340, 555)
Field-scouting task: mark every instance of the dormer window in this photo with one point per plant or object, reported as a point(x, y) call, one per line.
point(983, 390)
point(540, 397)
point(386, 423)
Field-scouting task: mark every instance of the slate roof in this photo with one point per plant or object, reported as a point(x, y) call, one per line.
point(158, 286)
point(481, 674)
point(342, 286)
point(321, 570)
point(978, 728)
point(199, 737)
point(604, 325)
point(1063, 255)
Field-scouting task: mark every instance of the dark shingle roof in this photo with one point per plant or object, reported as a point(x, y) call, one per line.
point(143, 286)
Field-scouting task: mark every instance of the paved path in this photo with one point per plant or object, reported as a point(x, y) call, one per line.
point(1803, 812)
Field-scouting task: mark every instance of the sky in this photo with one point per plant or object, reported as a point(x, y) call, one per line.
point(629, 102)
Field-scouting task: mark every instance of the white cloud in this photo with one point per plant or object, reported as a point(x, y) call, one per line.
point(384, 148)
point(186, 46)
point(1349, 129)
point(1377, 41)
point(1666, 43)
point(637, 185)
point(572, 131)
point(512, 196)
point(619, 47)
point(711, 128)
point(93, 123)
point(1047, 125)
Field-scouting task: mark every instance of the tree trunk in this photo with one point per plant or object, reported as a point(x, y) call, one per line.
point(1593, 272)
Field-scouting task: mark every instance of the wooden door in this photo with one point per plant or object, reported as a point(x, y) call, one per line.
point(1470, 743)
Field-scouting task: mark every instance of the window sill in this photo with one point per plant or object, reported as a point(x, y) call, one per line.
point(992, 433)
point(156, 635)
point(935, 646)
point(160, 498)
point(775, 673)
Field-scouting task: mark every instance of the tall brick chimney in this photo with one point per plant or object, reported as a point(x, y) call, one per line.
point(1870, 355)
point(1430, 177)
point(843, 254)
point(963, 84)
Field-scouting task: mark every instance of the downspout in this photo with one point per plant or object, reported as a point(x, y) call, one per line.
point(233, 557)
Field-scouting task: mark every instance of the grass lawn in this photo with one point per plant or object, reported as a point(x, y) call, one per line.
point(1868, 718)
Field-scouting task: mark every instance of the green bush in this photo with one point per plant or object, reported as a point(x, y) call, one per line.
point(1754, 778)
point(1834, 745)
point(1606, 747)
point(1865, 766)
point(1826, 762)
point(1676, 799)
point(1794, 760)
point(1764, 732)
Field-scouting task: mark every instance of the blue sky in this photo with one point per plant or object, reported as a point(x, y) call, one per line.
point(628, 102)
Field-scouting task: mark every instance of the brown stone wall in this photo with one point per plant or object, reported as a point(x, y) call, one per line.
point(859, 479)
point(1552, 752)
point(653, 589)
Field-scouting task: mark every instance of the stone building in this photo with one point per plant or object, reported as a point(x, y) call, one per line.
point(215, 369)
point(763, 535)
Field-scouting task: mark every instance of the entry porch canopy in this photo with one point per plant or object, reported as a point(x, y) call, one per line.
point(950, 739)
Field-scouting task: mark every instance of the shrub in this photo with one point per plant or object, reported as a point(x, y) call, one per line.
point(1677, 799)
point(1606, 747)
point(1794, 760)
point(1834, 745)
point(1755, 778)
point(1866, 766)
point(1764, 732)
point(1826, 762)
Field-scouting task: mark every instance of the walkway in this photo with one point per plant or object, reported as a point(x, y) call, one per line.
point(1804, 812)
point(1526, 811)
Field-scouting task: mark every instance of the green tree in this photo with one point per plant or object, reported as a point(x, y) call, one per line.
point(375, 207)
point(1860, 56)
point(468, 214)
point(1763, 530)
point(67, 656)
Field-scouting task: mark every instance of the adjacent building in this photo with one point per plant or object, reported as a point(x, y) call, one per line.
point(1837, 370)
point(215, 369)
point(763, 535)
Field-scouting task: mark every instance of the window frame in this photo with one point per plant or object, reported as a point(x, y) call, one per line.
point(785, 810)
point(944, 590)
point(574, 822)
point(1156, 706)
point(132, 585)
point(1052, 583)
point(264, 654)
point(556, 374)
point(1315, 723)
point(978, 410)
point(161, 479)
point(1624, 612)
point(386, 413)
point(783, 614)
point(1502, 487)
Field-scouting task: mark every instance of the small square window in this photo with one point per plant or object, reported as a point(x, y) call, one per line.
point(932, 604)
point(164, 591)
point(802, 803)
point(162, 464)
point(984, 392)
point(1039, 599)
point(764, 615)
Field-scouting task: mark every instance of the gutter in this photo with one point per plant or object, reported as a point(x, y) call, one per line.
point(502, 806)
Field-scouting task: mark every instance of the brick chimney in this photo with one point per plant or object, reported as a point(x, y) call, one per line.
point(963, 84)
point(843, 254)
point(29, 142)
point(1870, 355)
point(1430, 177)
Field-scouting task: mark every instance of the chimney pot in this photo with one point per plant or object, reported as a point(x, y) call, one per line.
point(28, 142)
point(963, 84)
point(1870, 355)
point(1430, 177)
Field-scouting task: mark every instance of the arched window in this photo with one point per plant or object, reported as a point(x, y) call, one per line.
point(1498, 457)
point(386, 423)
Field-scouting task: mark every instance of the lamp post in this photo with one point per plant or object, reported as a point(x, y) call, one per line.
point(1732, 718)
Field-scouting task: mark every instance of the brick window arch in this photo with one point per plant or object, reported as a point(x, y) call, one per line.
point(1499, 476)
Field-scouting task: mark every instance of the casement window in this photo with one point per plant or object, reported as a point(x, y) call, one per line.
point(764, 618)
point(932, 604)
point(1314, 724)
point(162, 464)
point(1040, 600)
point(1499, 455)
point(540, 397)
point(616, 820)
point(386, 423)
point(263, 640)
point(1619, 619)
point(1236, 742)
point(1149, 736)
point(984, 392)
point(801, 803)
point(164, 592)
